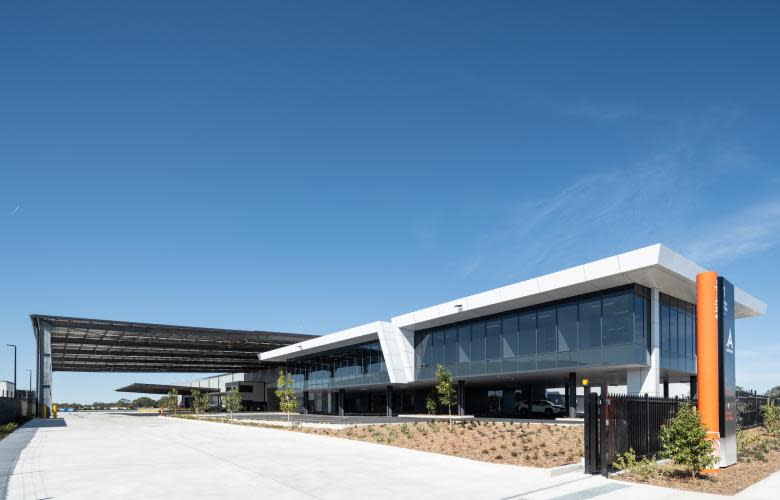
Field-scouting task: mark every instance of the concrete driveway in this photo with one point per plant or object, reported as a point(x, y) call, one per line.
point(88, 456)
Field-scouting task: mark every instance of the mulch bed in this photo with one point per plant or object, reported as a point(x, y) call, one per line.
point(751, 468)
point(534, 445)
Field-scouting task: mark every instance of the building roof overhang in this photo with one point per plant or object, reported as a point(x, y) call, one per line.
point(343, 338)
point(655, 266)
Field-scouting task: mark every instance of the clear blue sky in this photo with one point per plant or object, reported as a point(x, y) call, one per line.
point(310, 166)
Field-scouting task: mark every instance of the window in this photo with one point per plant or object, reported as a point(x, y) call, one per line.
point(673, 326)
point(590, 323)
point(509, 333)
point(682, 335)
point(545, 333)
point(639, 317)
point(567, 327)
point(451, 345)
point(426, 355)
point(464, 344)
point(617, 313)
point(527, 327)
point(664, 309)
point(438, 347)
point(478, 341)
point(690, 331)
point(493, 340)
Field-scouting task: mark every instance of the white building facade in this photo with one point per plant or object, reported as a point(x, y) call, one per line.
point(626, 320)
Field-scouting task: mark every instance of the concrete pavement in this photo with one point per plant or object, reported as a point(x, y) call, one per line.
point(130, 456)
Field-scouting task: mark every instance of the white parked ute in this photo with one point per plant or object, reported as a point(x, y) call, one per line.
point(547, 408)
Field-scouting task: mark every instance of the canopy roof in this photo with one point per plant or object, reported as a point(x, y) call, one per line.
point(184, 390)
point(94, 345)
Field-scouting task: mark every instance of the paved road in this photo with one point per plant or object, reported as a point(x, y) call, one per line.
point(85, 456)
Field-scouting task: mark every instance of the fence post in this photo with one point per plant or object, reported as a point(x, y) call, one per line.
point(647, 423)
point(603, 433)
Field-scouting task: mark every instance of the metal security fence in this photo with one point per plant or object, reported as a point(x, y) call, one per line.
point(617, 423)
point(749, 405)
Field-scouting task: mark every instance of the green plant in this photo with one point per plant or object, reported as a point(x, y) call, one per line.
point(771, 414)
point(430, 404)
point(444, 389)
point(200, 401)
point(645, 467)
point(233, 401)
point(285, 391)
point(171, 402)
point(684, 441)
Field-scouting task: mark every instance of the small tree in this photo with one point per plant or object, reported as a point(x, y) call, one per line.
point(430, 404)
point(200, 401)
point(171, 402)
point(233, 401)
point(684, 441)
point(444, 389)
point(285, 391)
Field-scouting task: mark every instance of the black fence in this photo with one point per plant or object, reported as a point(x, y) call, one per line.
point(13, 409)
point(749, 406)
point(617, 423)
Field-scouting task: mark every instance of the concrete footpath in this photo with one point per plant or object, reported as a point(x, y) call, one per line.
point(89, 456)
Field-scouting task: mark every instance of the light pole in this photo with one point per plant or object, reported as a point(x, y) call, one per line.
point(29, 386)
point(12, 345)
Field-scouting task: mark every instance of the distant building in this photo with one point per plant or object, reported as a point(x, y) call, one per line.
point(6, 389)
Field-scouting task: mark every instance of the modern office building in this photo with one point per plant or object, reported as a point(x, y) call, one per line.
point(626, 320)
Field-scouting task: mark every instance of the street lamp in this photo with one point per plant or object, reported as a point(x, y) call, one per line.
point(12, 345)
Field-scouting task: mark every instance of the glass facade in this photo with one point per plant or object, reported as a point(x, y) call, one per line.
point(607, 328)
point(360, 364)
point(678, 334)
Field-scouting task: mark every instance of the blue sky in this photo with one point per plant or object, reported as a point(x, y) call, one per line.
point(310, 166)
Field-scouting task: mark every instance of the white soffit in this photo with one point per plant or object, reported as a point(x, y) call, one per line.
point(343, 338)
point(655, 266)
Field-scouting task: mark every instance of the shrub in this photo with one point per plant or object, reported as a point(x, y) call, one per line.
point(684, 441)
point(771, 415)
point(646, 467)
point(430, 404)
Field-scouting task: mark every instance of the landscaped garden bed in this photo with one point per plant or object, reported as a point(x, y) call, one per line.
point(759, 456)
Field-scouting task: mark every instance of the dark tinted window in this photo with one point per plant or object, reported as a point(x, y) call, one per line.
point(438, 347)
point(509, 334)
point(545, 330)
point(618, 318)
point(527, 327)
point(567, 327)
point(590, 323)
point(464, 344)
point(451, 345)
point(478, 341)
point(664, 309)
point(493, 340)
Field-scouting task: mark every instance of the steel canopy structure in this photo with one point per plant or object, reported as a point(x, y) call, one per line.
point(94, 345)
point(184, 390)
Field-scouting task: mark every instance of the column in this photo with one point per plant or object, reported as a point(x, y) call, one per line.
point(305, 402)
point(461, 397)
point(341, 402)
point(571, 395)
point(389, 400)
point(647, 380)
point(666, 387)
point(694, 386)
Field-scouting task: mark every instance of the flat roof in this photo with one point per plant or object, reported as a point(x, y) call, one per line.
point(95, 345)
point(184, 390)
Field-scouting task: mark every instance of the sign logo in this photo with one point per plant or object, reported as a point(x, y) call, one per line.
point(730, 343)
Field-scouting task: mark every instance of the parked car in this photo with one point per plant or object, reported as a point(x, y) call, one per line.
point(541, 407)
